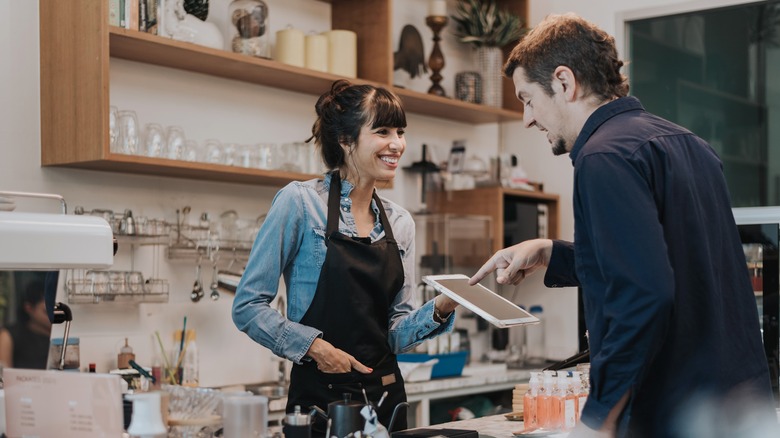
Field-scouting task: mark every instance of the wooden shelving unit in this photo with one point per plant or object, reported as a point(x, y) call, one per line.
point(77, 45)
point(491, 201)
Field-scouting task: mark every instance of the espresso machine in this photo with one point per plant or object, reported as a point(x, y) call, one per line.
point(52, 241)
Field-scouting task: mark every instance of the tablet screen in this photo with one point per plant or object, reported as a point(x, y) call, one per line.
point(481, 300)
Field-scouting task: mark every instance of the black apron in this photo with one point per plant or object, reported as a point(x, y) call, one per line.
point(357, 285)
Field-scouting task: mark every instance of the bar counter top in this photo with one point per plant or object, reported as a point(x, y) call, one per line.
point(494, 426)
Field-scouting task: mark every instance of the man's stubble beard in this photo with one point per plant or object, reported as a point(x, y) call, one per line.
point(559, 147)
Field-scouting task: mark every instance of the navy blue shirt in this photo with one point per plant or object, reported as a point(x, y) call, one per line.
point(668, 303)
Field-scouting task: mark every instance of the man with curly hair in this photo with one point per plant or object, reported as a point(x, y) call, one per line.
point(669, 306)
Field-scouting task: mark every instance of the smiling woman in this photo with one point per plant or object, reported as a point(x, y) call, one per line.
point(347, 257)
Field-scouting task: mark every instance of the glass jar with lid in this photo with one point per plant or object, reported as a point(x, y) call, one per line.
point(248, 28)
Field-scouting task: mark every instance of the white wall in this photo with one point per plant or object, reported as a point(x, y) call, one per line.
point(208, 107)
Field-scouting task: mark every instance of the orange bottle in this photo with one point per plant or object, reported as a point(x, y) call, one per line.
point(565, 406)
point(544, 405)
point(580, 389)
point(530, 418)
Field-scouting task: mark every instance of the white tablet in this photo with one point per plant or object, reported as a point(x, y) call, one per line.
point(491, 306)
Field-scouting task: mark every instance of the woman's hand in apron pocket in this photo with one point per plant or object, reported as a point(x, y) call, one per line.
point(333, 360)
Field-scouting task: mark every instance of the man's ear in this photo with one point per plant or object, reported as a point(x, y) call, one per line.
point(565, 82)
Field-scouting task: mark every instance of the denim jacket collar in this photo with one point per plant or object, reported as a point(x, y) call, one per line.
point(346, 202)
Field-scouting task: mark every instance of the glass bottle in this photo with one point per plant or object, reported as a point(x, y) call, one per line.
point(544, 406)
point(248, 28)
point(530, 417)
point(125, 356)
point(580, 394)
point(191, 361)
point(564, 401)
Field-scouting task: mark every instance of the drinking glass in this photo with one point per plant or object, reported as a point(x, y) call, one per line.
point(316, 165)
point(98, 282)
point(192, 151)
point(135, 282)
point(154, 140)
point(288, 157)
point(247, 156)
point(214, 152)
point(174, 148)
point(116, 282)
point(229, 154)
point(265, 159)
point(128, 132)
point(113, 128)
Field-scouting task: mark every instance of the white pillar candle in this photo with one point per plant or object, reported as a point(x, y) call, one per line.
point(342, 53)
point(317, 52)
point(289, 47)
point(437, 8)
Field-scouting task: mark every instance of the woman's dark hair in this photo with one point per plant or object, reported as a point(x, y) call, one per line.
point(568, 40)
point(33, 295)
point(345, 109)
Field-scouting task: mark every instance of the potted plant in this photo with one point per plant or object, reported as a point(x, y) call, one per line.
point(481, 24)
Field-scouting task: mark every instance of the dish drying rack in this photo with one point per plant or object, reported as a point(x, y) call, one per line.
point(130, 286)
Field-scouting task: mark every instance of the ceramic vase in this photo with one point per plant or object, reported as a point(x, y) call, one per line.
point(490, 61)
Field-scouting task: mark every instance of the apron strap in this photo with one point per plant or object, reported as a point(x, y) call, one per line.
point(334, 205)
point(383, 219)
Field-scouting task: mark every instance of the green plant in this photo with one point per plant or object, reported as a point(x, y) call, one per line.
point(481, 23)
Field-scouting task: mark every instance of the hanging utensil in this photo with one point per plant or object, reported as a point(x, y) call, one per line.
point(197, 288)
point(214, 282)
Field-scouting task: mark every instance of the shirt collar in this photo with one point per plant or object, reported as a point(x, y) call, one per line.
point(346, 189)
point(601, 115)
point(346, 186)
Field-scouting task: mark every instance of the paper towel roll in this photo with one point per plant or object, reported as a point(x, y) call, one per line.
point(290, 48)
point(317, 52)
point(342, 53)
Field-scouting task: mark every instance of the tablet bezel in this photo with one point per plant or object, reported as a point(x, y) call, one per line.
point(433, 281)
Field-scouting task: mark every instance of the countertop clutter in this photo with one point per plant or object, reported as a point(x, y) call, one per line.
point(494, 426)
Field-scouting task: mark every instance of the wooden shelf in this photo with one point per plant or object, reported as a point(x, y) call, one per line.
point(445, 108)
point(77, 45)
point(490, 201)
point(151, 49)
point(193, 170)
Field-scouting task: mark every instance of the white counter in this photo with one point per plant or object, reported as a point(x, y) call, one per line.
point(494, 426)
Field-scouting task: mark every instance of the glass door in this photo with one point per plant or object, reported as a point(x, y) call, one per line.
point(714, 71)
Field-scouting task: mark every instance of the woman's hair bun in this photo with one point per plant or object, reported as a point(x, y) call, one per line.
point(327, 98)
